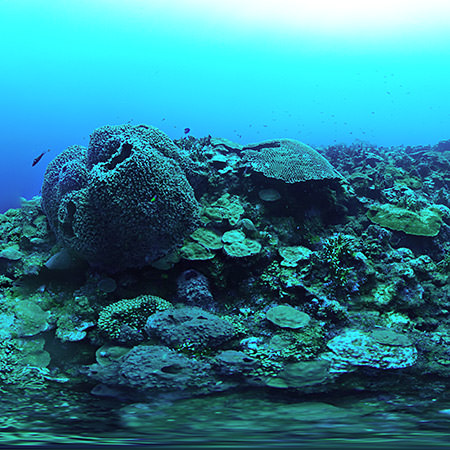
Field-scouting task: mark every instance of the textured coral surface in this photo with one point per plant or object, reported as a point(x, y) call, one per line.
point(288, 160)
point(123, 202)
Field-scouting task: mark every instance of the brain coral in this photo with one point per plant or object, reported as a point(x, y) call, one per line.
point(124, 201)
point(288, 160)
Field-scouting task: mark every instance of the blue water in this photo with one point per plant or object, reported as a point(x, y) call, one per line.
point(321, 72)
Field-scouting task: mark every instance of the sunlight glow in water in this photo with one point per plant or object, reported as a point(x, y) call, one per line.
point(344, 18)
point(321, 71)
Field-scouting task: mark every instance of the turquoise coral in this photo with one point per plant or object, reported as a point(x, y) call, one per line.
point(125, 319)
point(337, 251)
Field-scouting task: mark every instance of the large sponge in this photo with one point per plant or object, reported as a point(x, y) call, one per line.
point(123, 202)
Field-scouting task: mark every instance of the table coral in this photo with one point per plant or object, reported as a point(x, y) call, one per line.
point(288, 160)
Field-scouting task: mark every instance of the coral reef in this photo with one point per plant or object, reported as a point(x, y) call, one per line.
point(215, 265)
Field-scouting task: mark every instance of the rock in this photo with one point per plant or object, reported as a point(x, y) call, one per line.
point(286, 316)
point(154, 368)
point(301, 375)
point(193, 289)
point(232, 362)
point(269, 195)
point(356, 348)
point(190, 326)
point(107, 285)
point(12, 253)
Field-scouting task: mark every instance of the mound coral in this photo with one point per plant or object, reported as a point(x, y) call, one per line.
point(123, 202)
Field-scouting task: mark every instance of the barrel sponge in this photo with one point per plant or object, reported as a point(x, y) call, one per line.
point(127, 202)
point(65, 173)
point(288, 160)
point(105, 141)
point(72, 177)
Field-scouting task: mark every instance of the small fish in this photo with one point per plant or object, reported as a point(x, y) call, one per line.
point(153, 199)
point(38, 158)
point(187, 130)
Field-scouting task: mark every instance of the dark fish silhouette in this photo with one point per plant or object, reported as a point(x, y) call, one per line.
point(38, 158)
point(186, 130)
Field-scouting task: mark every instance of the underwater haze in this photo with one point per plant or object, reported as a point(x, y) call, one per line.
point(322, 72)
